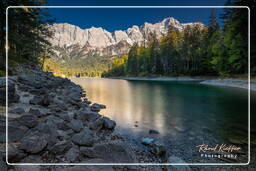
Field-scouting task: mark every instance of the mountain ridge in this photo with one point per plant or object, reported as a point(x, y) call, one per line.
point(70, 41)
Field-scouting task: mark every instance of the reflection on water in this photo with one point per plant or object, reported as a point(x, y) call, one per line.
point(168, 106)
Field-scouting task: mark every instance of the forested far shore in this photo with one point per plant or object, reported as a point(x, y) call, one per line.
point(210, 50)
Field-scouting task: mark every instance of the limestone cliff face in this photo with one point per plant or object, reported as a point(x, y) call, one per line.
point(73, 42)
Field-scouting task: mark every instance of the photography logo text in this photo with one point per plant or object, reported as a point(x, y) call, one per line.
point(218, 151)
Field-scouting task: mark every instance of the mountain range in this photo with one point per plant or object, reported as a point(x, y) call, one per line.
point(71, 42)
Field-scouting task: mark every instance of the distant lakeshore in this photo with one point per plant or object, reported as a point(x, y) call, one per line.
point(223, 82)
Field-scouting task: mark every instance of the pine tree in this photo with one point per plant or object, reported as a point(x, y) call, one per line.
point(236, 39)
point(28, 29)
point(132, 62)
point(213, 24)
point(154, 54)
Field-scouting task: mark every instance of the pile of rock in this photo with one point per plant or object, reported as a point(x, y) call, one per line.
point(51, 121)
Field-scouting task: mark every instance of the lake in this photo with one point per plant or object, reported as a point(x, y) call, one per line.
point(185, 113)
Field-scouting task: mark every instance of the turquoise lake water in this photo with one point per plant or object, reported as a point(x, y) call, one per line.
point(185, 113)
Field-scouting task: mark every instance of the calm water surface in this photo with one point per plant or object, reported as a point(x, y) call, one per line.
point(180, 111)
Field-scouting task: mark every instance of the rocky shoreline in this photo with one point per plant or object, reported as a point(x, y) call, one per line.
point(50, 120)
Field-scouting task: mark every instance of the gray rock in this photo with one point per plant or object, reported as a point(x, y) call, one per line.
point(26, 79)
point(60, 147)
point(174, 159)
point(17, 110)
point(89, 152)
point(33, 144)
point(32, 158)
point(76, 125)
point(55, 123)
point(97, 124)
point(41, 100)
point(28, 120)
point(108, 123)
point(16, 131)
point(3, 165)
point(37, 112)
point(14, 154)
point(156, 147)
point(87, 116)
point(159, 149)
point(63, 126)
point(72, 154)
point(97, 107)
point(51, 141)
point(84, 138)
point(13, 97)
point(64, 115)
point(152, 131)
point(70, 131)
point(47, 129)
point(36, 100)
point(38, 92)
point(62, 106)
point(115, 152)
point(46, 100)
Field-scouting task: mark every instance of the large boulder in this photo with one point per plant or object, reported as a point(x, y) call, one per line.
point(87, 116)
point(28, 120)
point(14, 154)
point(97, 124)
point(16, 131)
point(60, 147)
point(84, 138)
point(47, 128)
point(72, 154)
point(97, 107)
point(108, 123)
point(76, 125)
point(33, 144)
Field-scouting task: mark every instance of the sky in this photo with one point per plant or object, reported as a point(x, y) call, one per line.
point(113, 19)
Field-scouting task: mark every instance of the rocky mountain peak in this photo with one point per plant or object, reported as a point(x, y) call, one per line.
point(96, 41)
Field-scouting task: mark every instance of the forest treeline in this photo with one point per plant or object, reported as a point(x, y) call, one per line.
point(89, 67)
point(196, 50)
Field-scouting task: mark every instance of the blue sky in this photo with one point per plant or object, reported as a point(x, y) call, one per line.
point(120, 19)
